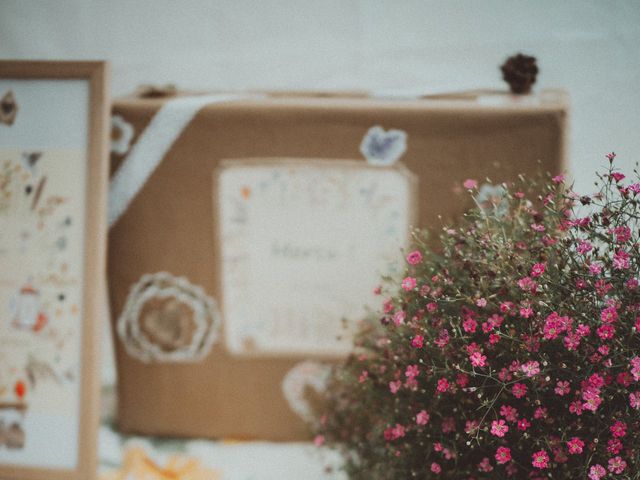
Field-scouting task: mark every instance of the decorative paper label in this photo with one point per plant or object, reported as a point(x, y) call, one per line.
point(304, 244)
point(43, 171)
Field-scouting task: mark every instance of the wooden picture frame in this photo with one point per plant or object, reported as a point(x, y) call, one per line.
point(61, 111)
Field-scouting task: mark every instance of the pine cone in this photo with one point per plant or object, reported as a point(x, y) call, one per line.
point(520, 72)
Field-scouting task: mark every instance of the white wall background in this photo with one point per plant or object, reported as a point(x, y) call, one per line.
point(591, 48)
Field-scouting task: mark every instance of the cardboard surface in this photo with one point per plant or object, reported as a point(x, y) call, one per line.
point(170, 224)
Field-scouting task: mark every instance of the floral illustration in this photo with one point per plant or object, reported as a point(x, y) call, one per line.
point(39, 293)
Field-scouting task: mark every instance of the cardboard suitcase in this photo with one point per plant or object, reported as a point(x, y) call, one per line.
point(246, 227)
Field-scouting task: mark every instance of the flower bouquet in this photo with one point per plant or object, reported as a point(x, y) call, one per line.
point(510, 351)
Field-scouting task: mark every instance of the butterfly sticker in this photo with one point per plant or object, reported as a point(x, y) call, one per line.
point(8, 108)
point(383, 148)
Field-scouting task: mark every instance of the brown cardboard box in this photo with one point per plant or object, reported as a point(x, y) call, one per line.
point(175, 222)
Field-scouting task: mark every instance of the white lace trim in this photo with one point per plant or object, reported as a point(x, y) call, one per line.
point(163, 285)
point(304, 374)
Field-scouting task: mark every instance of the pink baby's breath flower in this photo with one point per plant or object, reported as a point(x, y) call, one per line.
point(583, 330)
point(399, 317)
point(595, 268)
point(527, 284)
point(614, 446)
point(469, 325)
point(443, 338)
point(634, 400)
point(540, 412)
point(526, 312)
point(581, 284)
point(417, 341)
point(617, 465)
point(414, 258)
point(622, 234)
point(436, 468)
point(481, 302)
point(621, 260)
point(609, 315)
point(477, 359)
point(485, 465)
point(624, 379)
point(538, 227)
point(540, 459)
point(562, 388)
point(523, 424)
point(395, 386)
point(558, 179)
point(507, 307)
point(387, 307)
point(618, 429)
point(606, 332)
point(443, 385)
point(398, 431)
point(408, 284)
point(509, 413)
point(538, 269)
point(596, 381)
point(503, 455)
point(617, 176)
point(470, 184)
point(531, 368)
point(576, 407)
point(635, 368)
point(575, 446)
point(412, 371)
point(596, 472)
point(519, 390)
point(462, 380)
point(448, 425)
point(499, 428)
point(363, 376)
point(422, 418)
point(584, 247)
point(471, 427)
point(571, 341)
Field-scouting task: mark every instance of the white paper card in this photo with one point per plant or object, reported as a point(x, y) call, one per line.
point(304, 244)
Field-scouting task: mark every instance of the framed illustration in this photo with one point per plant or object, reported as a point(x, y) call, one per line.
point(53, 183)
